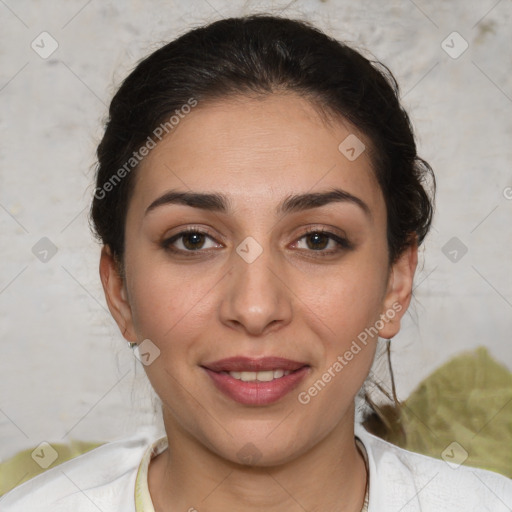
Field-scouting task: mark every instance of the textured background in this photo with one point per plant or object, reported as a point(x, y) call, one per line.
point(65, 370)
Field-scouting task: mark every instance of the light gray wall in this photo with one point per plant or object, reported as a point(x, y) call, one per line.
point(65, 370)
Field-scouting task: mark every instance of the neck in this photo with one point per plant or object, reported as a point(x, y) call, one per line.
point(331, 476)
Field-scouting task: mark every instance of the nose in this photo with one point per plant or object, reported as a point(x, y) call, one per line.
point(256, 298)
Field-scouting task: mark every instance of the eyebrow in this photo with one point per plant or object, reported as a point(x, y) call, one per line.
point(217, 202)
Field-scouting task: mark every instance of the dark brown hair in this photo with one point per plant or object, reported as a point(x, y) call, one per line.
point(259, 55)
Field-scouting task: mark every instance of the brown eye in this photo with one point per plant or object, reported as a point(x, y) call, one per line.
point(193, 241)
point(323, 242)
point(317, 241)
point(189, 241)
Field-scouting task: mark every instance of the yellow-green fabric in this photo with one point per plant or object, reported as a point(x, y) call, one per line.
point(467, 401)
point(22, 467)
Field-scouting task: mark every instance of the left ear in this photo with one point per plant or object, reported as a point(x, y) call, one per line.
point(399, 291)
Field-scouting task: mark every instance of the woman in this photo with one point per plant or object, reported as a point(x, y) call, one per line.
point(260, 203)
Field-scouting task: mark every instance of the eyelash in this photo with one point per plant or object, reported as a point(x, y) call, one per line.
point(343, 243)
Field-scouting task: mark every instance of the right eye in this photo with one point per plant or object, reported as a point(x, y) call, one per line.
point(189, 240)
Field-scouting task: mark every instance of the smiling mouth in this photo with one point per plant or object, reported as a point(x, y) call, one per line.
point(262, 376)
point(252, 381)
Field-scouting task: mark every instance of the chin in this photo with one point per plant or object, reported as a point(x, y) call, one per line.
point(262, 451)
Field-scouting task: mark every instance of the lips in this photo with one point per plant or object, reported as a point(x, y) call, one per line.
point(256, 381)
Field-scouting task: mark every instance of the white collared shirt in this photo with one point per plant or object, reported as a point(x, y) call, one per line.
point(113, 477)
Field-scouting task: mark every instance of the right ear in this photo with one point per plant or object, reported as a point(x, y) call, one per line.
point(115, 294)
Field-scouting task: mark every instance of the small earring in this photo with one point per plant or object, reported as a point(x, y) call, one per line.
point(132, 344)
point(393, 387)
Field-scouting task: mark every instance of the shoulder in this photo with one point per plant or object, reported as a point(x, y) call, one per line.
point(101, 479)
point(407, 481)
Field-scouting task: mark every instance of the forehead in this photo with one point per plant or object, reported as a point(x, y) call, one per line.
point(258, 150)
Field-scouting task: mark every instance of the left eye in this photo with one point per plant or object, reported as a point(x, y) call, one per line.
point(321, 240)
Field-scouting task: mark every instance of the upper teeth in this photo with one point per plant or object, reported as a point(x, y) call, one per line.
point(264, 376)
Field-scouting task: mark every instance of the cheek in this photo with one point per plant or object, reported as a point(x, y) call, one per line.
point(346, 299)
point(167, 303)
point(342, 311)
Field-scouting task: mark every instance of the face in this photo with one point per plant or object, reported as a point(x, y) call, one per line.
point(264, 297)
